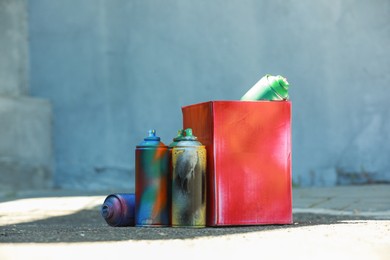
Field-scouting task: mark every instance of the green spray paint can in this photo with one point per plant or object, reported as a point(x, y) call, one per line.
point(268, 88)
point(189, 182)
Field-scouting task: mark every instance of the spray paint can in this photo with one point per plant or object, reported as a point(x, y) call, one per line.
point(268, 88)
point(118, 209)
point(189, 182)
point(152, 182)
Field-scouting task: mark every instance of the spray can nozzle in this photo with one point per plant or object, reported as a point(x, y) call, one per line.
point(189, 135)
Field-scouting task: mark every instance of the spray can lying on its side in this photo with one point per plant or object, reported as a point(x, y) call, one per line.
point(268, 88)
point(118, 209)
point(152, 183)
point(189, 182)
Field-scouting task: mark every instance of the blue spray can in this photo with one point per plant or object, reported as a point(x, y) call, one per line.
point(118, 209)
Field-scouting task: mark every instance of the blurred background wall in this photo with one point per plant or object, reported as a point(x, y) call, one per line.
point(112, 69)
point(26, 154)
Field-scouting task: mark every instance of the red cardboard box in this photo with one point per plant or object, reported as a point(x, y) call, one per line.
point(248, 160)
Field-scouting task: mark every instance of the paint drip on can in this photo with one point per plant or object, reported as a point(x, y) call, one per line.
point(118, 209)
point(268, 88)
point(152, 182)
point(189, 182)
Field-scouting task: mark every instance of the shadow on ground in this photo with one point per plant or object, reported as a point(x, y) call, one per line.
point(89, 226)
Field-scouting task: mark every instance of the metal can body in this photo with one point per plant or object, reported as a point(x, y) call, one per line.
point(119, 209)
point(175, 141)
point(189, 184)
point(152, 205)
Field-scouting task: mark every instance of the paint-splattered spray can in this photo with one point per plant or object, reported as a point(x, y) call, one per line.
point(189, 182)
point(268, 88)
point(118, 209)
point(152, 182)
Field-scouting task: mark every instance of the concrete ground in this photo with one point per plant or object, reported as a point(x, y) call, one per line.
point(350, 222)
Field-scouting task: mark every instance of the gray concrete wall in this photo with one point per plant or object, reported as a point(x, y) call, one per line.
point(13, 47)
point(114, 69)
point(26, 160)
point(25, 143)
